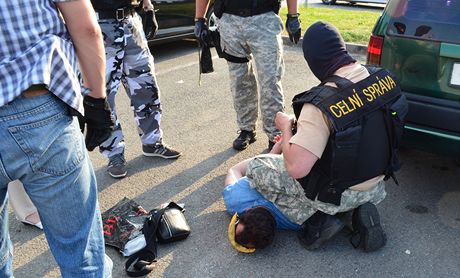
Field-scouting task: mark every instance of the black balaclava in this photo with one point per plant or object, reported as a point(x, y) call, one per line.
point(324, 49)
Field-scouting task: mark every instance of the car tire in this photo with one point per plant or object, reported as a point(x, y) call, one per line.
point(329, 2)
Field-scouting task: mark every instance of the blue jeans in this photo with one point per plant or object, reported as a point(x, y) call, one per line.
point(42, 146)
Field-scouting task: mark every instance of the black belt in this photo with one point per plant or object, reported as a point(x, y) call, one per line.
point(118, 14)
point(248, 12)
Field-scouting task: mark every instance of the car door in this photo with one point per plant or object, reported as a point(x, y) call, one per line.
point(175, 17)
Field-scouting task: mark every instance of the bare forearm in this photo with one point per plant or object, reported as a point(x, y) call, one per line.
point(288, 153)
point(201, 7)
point(237, 171)
point(87, 38)
point(91, 57)
point(292, 6)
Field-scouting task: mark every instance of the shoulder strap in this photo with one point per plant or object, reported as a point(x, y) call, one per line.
point(341, 82)
point(141, 262)
point(314, 96)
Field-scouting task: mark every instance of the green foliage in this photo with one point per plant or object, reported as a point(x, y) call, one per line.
point(355, 26)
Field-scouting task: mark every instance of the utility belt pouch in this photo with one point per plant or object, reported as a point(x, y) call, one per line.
point(172, 226)
point(215, 36)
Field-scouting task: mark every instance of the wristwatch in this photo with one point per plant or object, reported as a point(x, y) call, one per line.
point(296, 15)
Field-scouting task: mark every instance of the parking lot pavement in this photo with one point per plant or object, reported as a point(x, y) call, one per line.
point(421, 216)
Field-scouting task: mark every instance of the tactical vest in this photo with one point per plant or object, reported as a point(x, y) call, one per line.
point(367, 122)
point(112, 5)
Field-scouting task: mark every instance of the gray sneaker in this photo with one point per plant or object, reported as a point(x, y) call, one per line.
point(117, 166)
point(160, 150)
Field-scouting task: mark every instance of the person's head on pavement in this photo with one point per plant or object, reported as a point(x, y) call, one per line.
point(251, 230)
point(324, 49)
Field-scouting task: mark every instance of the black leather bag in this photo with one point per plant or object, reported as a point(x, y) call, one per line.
point(166, 224)
point(173, 226)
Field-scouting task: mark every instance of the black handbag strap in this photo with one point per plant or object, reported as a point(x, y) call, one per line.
point(141, 262)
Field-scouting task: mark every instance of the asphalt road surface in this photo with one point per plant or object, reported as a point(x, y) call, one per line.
point(421, 216)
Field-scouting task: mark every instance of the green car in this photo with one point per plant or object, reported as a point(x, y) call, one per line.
point(419, 41)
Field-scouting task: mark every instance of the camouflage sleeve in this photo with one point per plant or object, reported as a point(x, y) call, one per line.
point(268, 174)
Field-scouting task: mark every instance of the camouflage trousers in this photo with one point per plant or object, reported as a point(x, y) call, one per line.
point(268, 175)
point(129, 61)
point(259, 39)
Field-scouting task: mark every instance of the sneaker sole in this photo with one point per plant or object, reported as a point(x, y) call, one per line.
point(160, 155)
point(373, 235)
point(119, 176)
point(245, 147)
point(325, 236)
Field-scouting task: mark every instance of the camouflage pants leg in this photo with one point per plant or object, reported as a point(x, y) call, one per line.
point(129, 60)
point(269, 177)
point(256, 37)
point(243, 83)
point(265, 43)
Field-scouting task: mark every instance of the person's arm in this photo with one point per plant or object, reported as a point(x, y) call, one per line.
point(277, 147)
point(292, 6)
point(237, 171)
point(298, 160)
point(86, 35)
point(147, 5)
point(201, 7)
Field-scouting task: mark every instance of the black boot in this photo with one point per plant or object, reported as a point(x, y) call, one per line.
point(244, 139)
point(319, 228)
point(367, 231)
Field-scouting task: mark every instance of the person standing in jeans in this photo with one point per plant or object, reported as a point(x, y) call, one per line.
point(42, 145)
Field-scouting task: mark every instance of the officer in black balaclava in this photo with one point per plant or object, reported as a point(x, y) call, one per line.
point(324, 50)
point(348, 129)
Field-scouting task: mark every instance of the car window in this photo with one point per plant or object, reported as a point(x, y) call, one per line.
point(437, 20)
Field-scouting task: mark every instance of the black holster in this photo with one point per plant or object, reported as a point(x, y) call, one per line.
point(206, 65)
point(215, 37)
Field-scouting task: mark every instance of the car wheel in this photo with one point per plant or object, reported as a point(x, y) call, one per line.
point(329, 2)
point(212, 19)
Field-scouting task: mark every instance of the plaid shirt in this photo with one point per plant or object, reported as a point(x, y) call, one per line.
point(35, 48)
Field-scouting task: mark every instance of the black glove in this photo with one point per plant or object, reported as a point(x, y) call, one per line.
point(149, 21)
point(293, 27)
point(98, 119)
point(202, 32)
